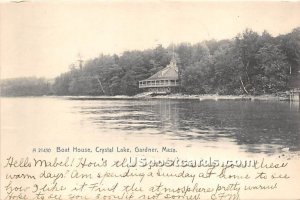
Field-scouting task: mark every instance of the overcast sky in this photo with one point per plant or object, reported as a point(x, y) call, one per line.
point(43, 39)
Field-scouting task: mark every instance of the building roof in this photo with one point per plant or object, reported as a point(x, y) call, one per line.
point(169, 72)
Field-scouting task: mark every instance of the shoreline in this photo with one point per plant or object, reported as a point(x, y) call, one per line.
point(226, 97)
point(204, 97)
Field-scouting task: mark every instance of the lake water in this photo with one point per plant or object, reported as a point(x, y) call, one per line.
point(249, 126)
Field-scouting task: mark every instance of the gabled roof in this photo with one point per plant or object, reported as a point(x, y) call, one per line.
point(169, 72)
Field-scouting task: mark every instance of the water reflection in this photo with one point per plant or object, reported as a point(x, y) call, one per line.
point(257, 126)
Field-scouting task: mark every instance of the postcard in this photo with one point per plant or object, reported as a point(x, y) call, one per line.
point(149, 100)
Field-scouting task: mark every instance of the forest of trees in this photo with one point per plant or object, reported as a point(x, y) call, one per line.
point(28, 86)
point(250, 63)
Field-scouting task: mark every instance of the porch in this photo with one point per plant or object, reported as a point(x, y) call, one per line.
point(158, 83)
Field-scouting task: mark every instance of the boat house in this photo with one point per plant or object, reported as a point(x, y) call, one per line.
point(164, 81)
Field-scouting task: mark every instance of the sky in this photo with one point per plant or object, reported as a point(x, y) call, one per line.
point(44, 38)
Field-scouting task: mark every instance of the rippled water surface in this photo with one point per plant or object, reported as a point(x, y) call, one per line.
point(252, 126)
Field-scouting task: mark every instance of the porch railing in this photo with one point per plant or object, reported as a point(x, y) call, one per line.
point(158, 83)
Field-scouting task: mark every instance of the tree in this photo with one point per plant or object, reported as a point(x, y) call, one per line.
point(196, 77)
point(290, 45)
point(228, 71)
point(274, 70)
point(246, 47)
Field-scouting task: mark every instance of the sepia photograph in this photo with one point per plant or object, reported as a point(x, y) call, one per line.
point(149, 100)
